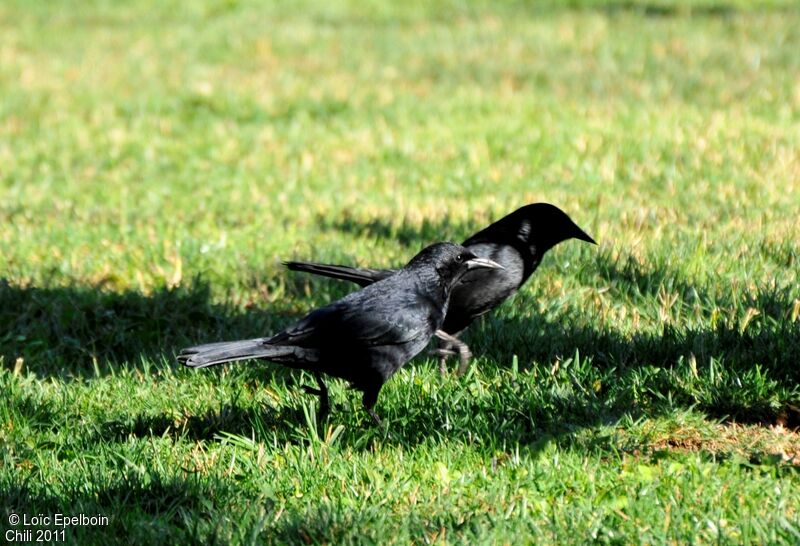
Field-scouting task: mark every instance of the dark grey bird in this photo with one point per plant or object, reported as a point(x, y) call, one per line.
point(518, 242)
point(365, 337)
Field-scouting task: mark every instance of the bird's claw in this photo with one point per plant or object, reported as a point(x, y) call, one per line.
point(463, 353)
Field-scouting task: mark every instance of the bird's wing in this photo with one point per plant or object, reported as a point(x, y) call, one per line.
point(367, 323)
point(393, 324)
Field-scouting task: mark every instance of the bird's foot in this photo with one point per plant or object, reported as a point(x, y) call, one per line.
point(451, 345)
point(443, 354)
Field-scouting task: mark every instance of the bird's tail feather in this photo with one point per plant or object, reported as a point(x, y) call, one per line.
point(211, 354)
point(361, 277)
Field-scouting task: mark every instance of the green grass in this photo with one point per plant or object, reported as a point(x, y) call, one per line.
point(159, 159)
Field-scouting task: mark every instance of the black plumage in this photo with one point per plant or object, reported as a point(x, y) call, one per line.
point(366, 336)
point(517, 241)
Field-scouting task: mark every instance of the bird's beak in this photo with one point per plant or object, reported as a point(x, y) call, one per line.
point(583, 236)
point(476, 263)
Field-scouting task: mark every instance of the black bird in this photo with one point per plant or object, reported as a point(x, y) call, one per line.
point(366, 336)
point(517, 242)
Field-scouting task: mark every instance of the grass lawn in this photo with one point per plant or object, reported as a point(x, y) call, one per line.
point(159, 159)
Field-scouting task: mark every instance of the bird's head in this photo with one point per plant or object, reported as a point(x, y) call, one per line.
point(450, 261)
point(539, 227)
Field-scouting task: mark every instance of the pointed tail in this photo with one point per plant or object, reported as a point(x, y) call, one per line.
point(211, 354)
point(362, 277)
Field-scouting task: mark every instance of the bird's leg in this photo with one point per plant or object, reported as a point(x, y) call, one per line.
point(322, 392)
point(465, 355)
point(369, 399)
point(324, 401)
point(444, 350)
point(448, 341)
point(442, 364)
point(442, 357)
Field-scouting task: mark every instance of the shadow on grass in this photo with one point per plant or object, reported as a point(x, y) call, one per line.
point(140, 508)
point(509, 417)
point(84, 331)
point(730, 367)
point(663, 9)
point(405, 233)
point(773, 343)
point(668, 9)
point(228, 418)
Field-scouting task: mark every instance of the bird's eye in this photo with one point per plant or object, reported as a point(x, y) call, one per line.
point(460, 258)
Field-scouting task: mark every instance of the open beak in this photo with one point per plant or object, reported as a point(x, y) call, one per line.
point(580, 234)
point(477, 263)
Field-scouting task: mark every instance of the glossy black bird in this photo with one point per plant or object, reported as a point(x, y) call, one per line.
point(366, 336)
point(517, 242)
